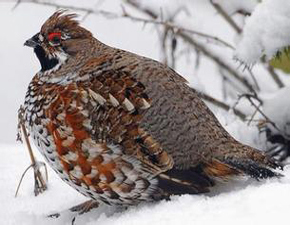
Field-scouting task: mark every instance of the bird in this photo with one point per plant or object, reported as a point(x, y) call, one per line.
point(122, 129)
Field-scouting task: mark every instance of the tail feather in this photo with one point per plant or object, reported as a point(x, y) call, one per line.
point(252, 162)
point(243, 161)
point(252, 168)
point(219, 169)
point(189, 181)
point(262, 158)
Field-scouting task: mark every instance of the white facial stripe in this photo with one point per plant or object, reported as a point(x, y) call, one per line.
point(40, 37)
point(64, 36)
point(62, 57)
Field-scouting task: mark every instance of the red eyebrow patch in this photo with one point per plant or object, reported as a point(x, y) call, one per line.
point(51, 36)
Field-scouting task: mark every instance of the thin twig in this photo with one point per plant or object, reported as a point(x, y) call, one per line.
point(249, 98)
point(253, 115)
point(164, 45)
point(222, 105)
point(272, 73)
point(252, 96)
point(111, 15)
point(226, 16)
point(232, 83)
point(254, 79)
point(32, 158)
point(216, 59)
point(188, 39)
point(275, 76)
point(16, 4)
point(22, 176)
point(173, 50)
point(39, 182)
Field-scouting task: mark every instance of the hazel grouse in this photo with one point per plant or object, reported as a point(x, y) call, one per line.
point(121, 128)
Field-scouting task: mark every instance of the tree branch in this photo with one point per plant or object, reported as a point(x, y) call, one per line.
point(275, 76)
point(188, 39)
point(249, 98)
point(226, 16)
point(111, 15)
point(222, 105)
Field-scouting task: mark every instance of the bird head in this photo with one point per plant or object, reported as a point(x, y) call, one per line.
point(60, 38)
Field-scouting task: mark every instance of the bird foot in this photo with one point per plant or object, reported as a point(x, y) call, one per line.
point(77, 210)
point(39, 182)
point(85, 207)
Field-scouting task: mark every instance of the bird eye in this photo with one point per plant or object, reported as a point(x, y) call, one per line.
point(54, 38)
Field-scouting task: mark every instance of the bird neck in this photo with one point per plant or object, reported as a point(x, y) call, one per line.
point(48, 63)
point(45, 62)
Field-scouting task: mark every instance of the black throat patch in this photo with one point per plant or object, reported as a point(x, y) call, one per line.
point(45, 62)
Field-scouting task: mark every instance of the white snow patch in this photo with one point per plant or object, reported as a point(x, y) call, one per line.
point(265, 31)
point(277, 108)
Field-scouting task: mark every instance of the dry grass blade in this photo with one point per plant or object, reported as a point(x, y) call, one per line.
point(39, 182)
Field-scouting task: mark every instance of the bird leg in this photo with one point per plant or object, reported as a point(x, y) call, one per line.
point(83, 208)
point(39, 182)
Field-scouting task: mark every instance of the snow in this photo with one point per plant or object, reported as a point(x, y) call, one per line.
point(265, 31)
point(277, 107)
point(235, 202)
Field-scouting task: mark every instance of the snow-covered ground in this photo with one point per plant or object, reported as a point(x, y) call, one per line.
point(237, 202)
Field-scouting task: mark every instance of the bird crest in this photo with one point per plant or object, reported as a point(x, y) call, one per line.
point(62, 21)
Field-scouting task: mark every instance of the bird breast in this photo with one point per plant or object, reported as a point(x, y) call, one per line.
point(59, 119)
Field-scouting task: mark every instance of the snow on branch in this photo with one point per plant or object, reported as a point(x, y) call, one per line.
point(266, 31)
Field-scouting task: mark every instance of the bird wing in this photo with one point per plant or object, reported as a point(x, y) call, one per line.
point(178, 119)
point(190, 133)
point(118, 102)
point(151, 111)
point(146, 111)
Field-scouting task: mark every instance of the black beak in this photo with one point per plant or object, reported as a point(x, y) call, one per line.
point(33, 42)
